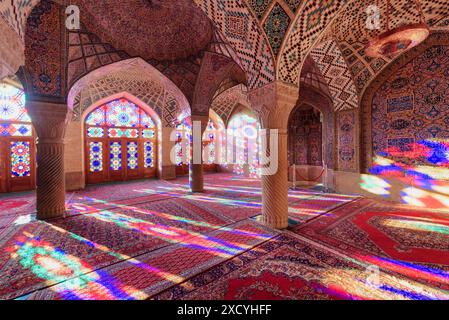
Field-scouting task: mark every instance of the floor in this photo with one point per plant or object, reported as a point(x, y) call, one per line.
point(155, 240)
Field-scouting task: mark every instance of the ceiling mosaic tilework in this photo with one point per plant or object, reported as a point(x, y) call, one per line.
point(15, 13)
point(276, 26)
point(134, 76)
point(251, 31)
point(329, 60)
point(349, 29)
point(311, 21)
point(311, 76)
point(87, 52)
point(243, 32)
point(161, 30)
point(225, 103)
point(260, 7)
point(294, 4)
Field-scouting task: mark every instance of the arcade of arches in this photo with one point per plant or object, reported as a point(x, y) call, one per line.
point(238, 141)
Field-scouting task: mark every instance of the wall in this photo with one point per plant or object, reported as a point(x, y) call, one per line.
point(74, 157)
point(405, 136)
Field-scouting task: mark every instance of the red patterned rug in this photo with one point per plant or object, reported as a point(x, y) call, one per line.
point(402, 238)
point(148, 274)
point(310, 208)
point(100, 238)
point(13, 204)
point(290, 267)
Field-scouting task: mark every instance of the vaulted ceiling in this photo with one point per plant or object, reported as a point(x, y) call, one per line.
point(269, 39)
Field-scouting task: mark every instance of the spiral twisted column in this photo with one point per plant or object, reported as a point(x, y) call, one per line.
point(275, 189)
point(50, 121)
point(196, 176)
point(273, 104)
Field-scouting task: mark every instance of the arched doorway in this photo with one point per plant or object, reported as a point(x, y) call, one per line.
point(17, 142)
point(305, 145)
point(244, 129)
point(121, 143)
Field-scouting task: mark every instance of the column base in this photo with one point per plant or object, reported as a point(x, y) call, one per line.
point(196, 178)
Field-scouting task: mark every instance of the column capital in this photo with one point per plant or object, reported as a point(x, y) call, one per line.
point(273, 103)
point(49, 119)
point(204, 119)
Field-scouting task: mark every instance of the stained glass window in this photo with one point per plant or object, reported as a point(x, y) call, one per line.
point(95, 132)
point(116, 156)
point(137, 131)
point(209, 143)
point(20, 159)
point(184, 141)
point(149, 154)
point(246, 141)
point(148, 134)
point(209, 153)
point(122, 113)
point(96, 156)
point(146, 121)
point(12, 104)
point(15, 130)
point(133, 155)
point(179, 155)
point(96, 117)
point(123, 133)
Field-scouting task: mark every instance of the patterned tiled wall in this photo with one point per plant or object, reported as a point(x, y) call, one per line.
point(347, 140)
point(412, 105)
point(244, 33)
point(333, 67)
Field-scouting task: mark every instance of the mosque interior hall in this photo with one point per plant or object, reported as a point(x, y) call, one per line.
point(224, 150)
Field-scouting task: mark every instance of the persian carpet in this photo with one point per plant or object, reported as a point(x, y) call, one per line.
point(148, 274)
point(412, 242)
point(292, 267)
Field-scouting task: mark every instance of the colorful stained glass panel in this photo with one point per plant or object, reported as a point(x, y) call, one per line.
point(148, 134)
point(16, 130)
point(96, 156)
point(95, 132)
point(133, 155)
point(149, 154)
point(116, 156)
point(122, 113)
point(96, 117)
point(147, 122)
point(123, 133)
point(12, 104)
point(209, 153)
point(20, 159)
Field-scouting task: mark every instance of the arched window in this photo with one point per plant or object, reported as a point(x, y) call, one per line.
point(17, 142)
point(184, 144)
point(121, 143)
point(246, 145)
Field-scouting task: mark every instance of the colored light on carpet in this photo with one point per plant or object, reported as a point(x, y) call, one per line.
point(182, 220)
point(173, 234)
point(408, 269)
point(22, 220)
point(417, 226)
point(375, 185)
point(358, 285)
point(55, 266)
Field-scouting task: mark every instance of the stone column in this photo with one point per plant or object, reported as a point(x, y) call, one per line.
point(273, 104)
point(50, 121)
point(196, 176)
